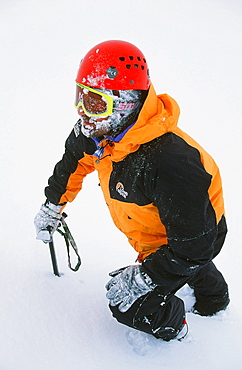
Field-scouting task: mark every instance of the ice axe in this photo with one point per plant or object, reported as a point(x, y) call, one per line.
point(69, 241)
point(45, 236)
point(53, 258)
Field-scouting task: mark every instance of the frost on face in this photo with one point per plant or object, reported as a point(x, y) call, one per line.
point(95, 128)
point(126, 105)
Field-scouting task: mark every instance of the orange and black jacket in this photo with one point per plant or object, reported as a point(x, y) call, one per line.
point(162, 189)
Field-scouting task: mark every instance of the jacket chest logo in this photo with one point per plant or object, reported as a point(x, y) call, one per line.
point(120, 190)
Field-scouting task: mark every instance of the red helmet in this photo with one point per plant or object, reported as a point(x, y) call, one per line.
point(115, 65)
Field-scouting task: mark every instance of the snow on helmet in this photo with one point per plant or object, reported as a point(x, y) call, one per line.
point(116, 65)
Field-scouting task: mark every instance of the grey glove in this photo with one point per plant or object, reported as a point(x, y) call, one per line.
point(129, 284)
point(47, 220)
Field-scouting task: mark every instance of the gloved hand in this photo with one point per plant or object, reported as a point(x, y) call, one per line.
point(47, 220)
point(127, 285)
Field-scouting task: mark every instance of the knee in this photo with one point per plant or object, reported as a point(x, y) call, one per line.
point(153, 314)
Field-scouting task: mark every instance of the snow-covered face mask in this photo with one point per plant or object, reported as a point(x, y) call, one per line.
point(126, 105)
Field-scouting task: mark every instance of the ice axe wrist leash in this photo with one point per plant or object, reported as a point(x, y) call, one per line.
point(69, 242)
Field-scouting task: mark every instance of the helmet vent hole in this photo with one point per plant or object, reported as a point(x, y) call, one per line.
point(128, 66)
point(139, 58)
point(142, 67)
point(131, 58)
point(136, 66)
point(144, 60)
point(122, 58)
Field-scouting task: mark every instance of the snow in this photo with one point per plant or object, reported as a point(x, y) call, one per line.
point(49, 322)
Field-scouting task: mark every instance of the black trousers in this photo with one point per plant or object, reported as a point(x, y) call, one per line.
point(163, 316)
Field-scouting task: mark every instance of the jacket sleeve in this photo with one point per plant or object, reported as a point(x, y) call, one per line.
point(69, 172)
point(178, 186)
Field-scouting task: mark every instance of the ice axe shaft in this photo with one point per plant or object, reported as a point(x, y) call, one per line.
point(53, 258)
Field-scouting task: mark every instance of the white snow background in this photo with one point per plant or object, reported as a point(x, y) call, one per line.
point(193, 49)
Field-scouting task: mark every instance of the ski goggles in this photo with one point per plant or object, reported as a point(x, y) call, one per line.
point(94, 103)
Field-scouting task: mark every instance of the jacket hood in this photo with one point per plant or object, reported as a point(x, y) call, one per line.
point(158, 115)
